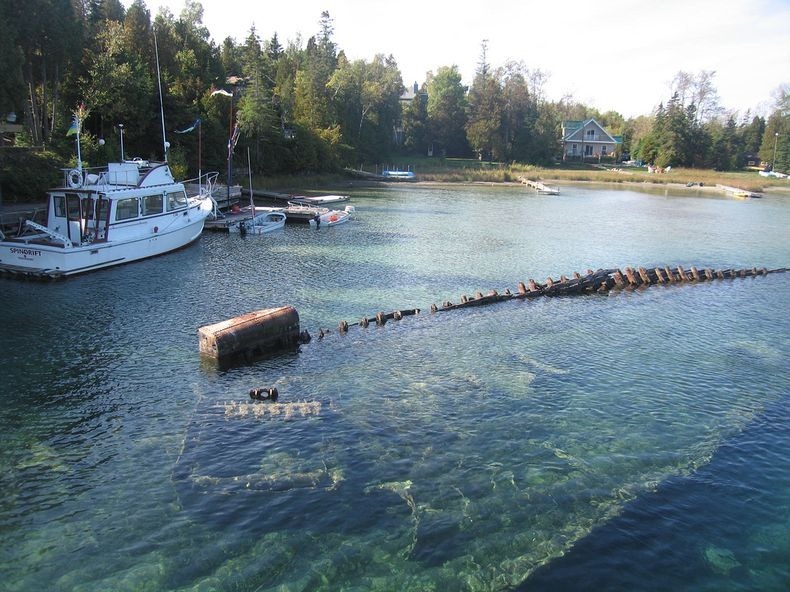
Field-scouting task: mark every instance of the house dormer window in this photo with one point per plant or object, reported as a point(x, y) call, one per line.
point(590, 134)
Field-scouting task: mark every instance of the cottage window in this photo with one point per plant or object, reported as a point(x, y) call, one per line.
point(590, 134)
point(588, 150)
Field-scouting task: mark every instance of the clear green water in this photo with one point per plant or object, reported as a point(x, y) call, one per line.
point(631, 441)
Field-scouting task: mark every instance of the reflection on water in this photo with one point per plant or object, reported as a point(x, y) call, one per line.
point(461, 450)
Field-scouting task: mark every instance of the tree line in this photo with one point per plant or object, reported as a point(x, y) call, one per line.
point(305, 107)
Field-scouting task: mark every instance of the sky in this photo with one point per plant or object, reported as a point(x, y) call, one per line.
point(619, 56)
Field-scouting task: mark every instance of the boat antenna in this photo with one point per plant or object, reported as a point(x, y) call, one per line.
point(161, 104)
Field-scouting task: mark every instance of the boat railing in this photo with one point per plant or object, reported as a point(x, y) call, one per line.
point(203, 187)
point(76, 178)
point(127, 173)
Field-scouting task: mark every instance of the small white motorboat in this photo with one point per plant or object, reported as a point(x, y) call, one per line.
point(399, 175)
point(333, 217)
point(259, 224)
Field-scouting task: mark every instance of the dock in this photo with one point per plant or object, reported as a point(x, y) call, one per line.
point(737, 192)
point(294, 214)
point(540, 187)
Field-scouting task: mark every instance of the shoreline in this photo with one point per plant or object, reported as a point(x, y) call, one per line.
point(772, 190)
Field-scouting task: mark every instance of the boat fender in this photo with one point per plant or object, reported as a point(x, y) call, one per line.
point(75, 178)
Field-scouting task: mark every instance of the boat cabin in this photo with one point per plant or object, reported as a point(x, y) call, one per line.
point(117, 200)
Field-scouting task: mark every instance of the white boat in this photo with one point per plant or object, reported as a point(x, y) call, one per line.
point(259, 224)
point(318, 200)
point(332, 217)
point(399, 175)
point(99, 218)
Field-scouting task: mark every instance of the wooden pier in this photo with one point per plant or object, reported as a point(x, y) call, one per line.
point(540, 187)
point(737, 192)
point(294, 214)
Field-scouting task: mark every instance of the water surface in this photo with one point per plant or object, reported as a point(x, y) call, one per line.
point(632, 441)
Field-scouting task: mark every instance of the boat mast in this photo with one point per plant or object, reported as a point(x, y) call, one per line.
point(249, 172)
point(161, 104)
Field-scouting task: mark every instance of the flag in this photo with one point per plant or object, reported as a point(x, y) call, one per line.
point(75, 127)
point(190, 128)
point(222, 92)
point(79, 115)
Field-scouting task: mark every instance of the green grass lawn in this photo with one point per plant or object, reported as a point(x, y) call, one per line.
point(462, 170)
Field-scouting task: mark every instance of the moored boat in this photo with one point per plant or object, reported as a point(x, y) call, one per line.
point(399, 175)
point(333, 217)
point(99, 218)
point(260, 224)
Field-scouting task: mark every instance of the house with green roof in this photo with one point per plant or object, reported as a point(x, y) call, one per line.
point(587, 139)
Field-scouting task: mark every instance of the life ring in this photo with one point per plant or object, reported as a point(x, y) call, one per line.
point(74, 178)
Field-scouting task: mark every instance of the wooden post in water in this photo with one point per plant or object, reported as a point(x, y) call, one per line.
point(695, 274)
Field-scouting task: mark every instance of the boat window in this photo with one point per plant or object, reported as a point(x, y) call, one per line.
point(153, 204)
point(60, 206)
point(176, 199)
point(73, 205)
point(126, 209)
point(102, 208)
